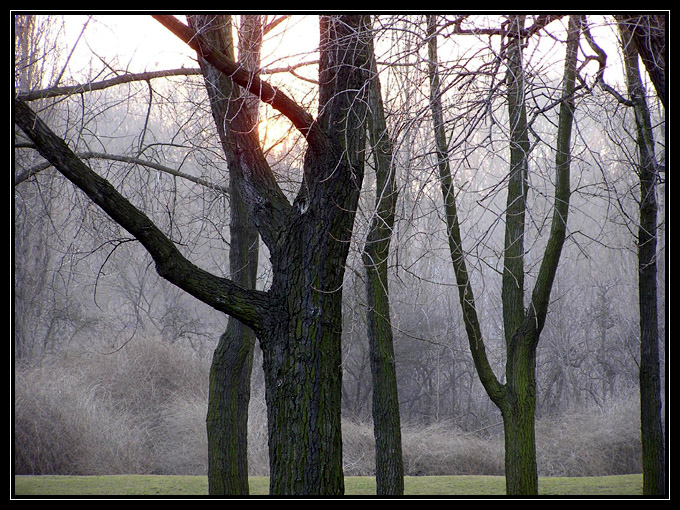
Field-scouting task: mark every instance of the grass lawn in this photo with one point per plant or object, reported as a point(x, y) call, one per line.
point(154, 485)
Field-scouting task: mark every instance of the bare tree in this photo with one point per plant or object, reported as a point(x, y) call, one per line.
point(229, 392)
point(653, 448)
point(386, 417)
point(516, 398)
point(298, 319)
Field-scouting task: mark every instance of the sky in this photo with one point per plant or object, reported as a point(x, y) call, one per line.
point(137, 43)
point(140, 43)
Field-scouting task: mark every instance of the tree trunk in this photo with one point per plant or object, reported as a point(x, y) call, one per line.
point(653, 447)
point(227, 418)
point(298, 321)
point(301, 339)
point(648, 36)
point(518, 411)
point(389, 469)
point(230, 372)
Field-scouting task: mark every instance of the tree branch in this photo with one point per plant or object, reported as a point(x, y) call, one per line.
point(248, 306)
point(300, 118)
point(466, 297)
point(99, 85)
point(541, 295)
point(602, 61)
point(26, 174)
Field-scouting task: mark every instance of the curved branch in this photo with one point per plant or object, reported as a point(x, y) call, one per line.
point(300, 118)
point(541, 295)
point(99, 85)
point(248, 306)
point(25, 175)
point(492, 385)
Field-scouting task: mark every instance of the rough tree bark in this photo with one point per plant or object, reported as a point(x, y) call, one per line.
point(231, 368)
point(298, 320)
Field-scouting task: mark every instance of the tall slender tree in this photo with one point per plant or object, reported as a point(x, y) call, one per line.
point(298, 320)
point(516, 398)
point(653, 447)
point(231, 368)
point(389, 470)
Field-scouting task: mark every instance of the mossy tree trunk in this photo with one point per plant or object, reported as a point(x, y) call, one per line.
point(231, 368)
point(389, 468)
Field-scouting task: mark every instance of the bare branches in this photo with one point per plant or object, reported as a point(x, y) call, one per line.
point(26, 174)
point(220, 293)
point(300, 118)
point(99, 85)
point(602, 61)
point(648, 35)
point(541, 22)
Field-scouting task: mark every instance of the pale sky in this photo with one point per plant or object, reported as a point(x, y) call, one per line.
point(139, 43)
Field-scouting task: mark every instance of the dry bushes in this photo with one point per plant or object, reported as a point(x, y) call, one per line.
point(443, 449)
point(142, 410)
point(65, 427)
point(591, 440)
point(115, 413)
point(436, 449)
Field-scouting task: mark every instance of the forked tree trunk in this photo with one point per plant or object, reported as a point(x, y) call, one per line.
point(516, 398)
point(301, 338)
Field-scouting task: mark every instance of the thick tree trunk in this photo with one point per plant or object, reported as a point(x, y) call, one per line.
point(301, 339)
point(518, 411)
point(303, 376)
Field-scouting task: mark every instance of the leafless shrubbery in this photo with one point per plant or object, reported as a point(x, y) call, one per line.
point(443, 449)
point(63, 426)
point(113, 413)
point(591, 440)
point(142, 410)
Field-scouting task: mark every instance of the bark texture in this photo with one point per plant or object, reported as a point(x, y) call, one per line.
point(389, 467)
point(231, 368)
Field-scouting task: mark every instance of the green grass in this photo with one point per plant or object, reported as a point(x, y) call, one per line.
point(153, 485)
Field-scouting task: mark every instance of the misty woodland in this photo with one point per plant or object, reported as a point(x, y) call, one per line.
point(309, 247)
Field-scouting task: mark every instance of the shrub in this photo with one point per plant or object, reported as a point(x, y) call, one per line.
point(104, 414)
point(591, 440)
point(142, 410)
point(64, 427)
point(443, 449)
